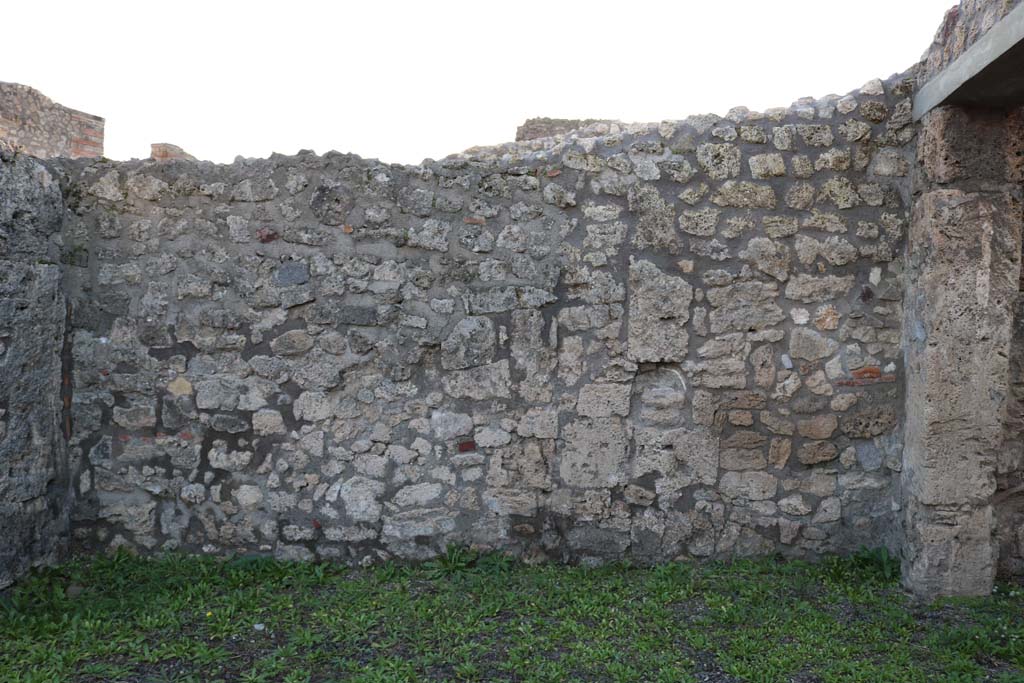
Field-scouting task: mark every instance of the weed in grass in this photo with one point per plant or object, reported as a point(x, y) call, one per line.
point(454, 560)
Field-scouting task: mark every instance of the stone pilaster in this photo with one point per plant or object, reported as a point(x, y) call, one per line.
point(962, 286)
point(35, 496)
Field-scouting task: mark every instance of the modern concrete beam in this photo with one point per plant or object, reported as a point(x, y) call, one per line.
point(989, 74)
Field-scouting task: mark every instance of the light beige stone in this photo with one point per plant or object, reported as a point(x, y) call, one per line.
point(604, 400)
point(594, 455)
point(658, 312)
point(749, 485)
point(817, 427)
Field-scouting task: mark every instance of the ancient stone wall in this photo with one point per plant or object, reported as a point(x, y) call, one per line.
point(1009, 496)
point(963, 25)
point(38, 126)
point(790, 331)
point(1008, 500)
point(164, 151)
point(965, 263)
point(34, 494)
point(963, 474)
point(538, 128)
point(674, 340)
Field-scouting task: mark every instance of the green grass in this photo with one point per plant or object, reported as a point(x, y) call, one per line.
point(483, 618)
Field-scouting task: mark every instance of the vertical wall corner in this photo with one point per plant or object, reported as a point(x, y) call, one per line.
point(963, 279)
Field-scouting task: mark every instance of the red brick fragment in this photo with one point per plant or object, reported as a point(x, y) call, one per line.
point(474, 220)
point(467, 446)
point(865, 381)
point(869, 372)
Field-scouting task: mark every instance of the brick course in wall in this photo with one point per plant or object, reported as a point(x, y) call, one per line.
point(163, 151)
point(40, 127)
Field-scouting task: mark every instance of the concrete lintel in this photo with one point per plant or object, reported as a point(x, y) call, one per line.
point(995, 59)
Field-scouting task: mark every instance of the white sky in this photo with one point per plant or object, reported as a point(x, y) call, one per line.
point(401, 81)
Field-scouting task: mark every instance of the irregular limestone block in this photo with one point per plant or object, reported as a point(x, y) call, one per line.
point(813, 452)
point(431, 234)
point(688, 456)
point(810, 289)
point(248, 496)
point(533, 355)
point(655, 227)
point(360, 497)
point(137, 512)
point(658, 311)
point(447, 425)
point(604, 400)
point(719, 161)
point(470, 343)
point(400, 532)
point(539, 422)
point(701, 222)
point(486, 381)
point(312, 406)
point(417, 495)
point(267, 421)
point(768, 256)
point(743, 194)
point(292, 343)
point(749, 485)
point(744, 306)
point(810, 345)
point(817, 427)
point(594, 455)
point(767, 166)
